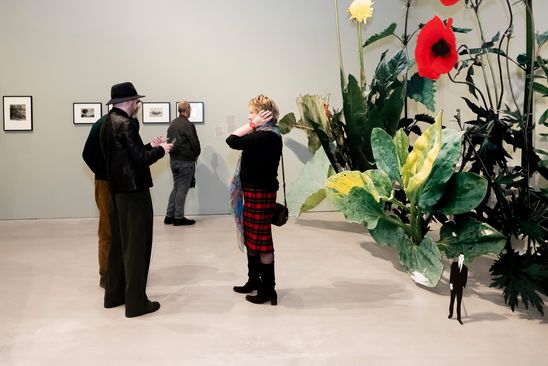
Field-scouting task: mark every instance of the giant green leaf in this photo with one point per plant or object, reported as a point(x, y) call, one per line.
point(442, 170)
point(387, 94)
point(471, 237)
point(423, 262)
point(464, 192)
point(401, 141)
point(378, 183)
point(348, 193)
point(422, 90)
point(359, 135)
point(308, 190)
point(385, 154)
point(387, 233)
point(287, 122)
point(358, 206)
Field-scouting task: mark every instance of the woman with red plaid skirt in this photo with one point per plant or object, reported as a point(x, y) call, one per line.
point(255, 184)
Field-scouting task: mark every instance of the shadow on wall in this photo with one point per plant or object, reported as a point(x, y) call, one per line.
point(211, 189)
point(300, 150)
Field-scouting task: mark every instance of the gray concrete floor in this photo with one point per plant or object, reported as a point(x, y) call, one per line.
point(343, 300)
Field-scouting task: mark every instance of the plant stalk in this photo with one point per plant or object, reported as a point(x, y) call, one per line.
point(341, 65)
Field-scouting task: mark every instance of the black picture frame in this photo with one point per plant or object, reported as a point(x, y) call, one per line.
point(85, 113)
point(17, 113)
point(156, 112)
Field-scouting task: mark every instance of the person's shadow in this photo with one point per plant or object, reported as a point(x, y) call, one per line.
point(211, 190)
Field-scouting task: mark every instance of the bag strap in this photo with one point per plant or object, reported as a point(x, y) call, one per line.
point(283, 177)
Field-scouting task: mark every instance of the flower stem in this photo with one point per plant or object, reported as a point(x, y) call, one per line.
point(485, 78)
point(360, 51)
point(405, 42)
point(343, 77)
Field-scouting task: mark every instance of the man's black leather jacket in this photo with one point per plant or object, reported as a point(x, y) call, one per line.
point(127, 158)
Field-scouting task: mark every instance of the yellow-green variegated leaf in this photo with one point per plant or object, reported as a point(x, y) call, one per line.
point(341, 183)
point(419, 162)
point(374, 181)
point(401, 141)
point(349, 192)
point(442, 170)
point(378, 183)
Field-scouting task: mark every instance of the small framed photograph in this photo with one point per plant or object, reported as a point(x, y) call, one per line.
point(196, 111)
point(156, 112)
point(18, 113)
point(86, 113)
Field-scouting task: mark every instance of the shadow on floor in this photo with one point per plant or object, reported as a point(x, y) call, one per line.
point(343, 295)
point(188, 275)
point(331, 225)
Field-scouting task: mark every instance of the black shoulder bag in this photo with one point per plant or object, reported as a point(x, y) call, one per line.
point(280, 213)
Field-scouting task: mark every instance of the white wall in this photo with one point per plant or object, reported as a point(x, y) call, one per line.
point(220, 52)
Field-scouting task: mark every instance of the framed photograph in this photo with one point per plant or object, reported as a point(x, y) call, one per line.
point(18, 113)
point(196, 111)
point(156, 112)
point(86, 113)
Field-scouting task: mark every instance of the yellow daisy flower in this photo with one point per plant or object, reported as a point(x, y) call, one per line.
point(361, 10)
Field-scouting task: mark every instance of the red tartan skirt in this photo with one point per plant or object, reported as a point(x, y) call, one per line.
point(258, 207)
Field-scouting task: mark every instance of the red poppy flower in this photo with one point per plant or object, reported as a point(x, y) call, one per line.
point(449, 2)
point(436, 51)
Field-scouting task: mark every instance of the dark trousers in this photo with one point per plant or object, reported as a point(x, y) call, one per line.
point(457, 292)
point(131, 218)
point(183, 172)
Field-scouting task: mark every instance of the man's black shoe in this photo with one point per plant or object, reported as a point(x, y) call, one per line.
point(183, 221)
point(168, 220)
point(150, 307)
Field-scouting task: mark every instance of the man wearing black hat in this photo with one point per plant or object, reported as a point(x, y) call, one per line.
point(127, 161)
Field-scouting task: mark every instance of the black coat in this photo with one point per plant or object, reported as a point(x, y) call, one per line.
point(127, 158)
point(261, 152)
point(458, 278)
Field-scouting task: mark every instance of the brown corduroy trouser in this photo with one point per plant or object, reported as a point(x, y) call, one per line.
point(102, 198)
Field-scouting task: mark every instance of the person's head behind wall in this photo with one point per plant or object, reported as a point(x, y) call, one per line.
point(264, 103)
point(184, 108)
point(125, 97)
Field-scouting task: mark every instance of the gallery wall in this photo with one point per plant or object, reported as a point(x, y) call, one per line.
point(218, 52)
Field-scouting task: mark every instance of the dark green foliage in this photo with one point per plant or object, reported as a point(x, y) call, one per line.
point(521, 276)
point(377, 37)
point(422, 90)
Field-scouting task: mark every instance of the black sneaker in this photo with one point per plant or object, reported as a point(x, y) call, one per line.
point(168, 220)
point(183, 221)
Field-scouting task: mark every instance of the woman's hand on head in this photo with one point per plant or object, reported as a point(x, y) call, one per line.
point(262, 118)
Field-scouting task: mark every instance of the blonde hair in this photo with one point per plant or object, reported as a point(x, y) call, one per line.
point(262, 102)
point(183, 106)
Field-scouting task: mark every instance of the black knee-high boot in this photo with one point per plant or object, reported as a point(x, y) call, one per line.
point(254, 281)
point(266, 290)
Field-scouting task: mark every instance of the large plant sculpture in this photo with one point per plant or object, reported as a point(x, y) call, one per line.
point(503, 127)
point(430, 187)
point(340, 139)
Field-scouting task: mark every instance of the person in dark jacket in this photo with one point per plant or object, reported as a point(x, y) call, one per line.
point(256, 182)
point(93, 156)
point(127, 162)
point(457, 282)
point(186, 149)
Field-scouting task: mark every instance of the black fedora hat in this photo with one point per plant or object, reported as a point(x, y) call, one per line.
point(123, 92)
